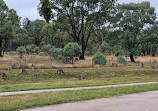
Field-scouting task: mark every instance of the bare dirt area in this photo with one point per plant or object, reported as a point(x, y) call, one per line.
point(146, 101)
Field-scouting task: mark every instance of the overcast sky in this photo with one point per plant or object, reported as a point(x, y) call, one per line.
point(28, 8)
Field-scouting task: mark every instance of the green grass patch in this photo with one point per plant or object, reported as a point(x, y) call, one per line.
point(16, 102)
point(48, 79)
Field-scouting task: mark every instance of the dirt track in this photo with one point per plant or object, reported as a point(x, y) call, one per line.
point(147, 101)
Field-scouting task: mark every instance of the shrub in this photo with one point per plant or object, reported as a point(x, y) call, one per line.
point(122, 60)
point(36, 50)
point(99, 58)
point(13, 53)
point(118, 53)
point(34, 54)
point(88, 53)
point(21, 51)
point(72, 50)
point(46, 48)
point(42, 54)
point(29, 49)
point(55, 53)
point(59, 57)
point(102, 47)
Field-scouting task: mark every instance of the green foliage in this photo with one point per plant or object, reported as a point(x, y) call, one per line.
point(13, 53)
point(131, 19)
point(56, 53)
point(36, 50)
point(42, 54)
point(46, 48)
point(118, 53)
point(149, 40)
point(21, 51)
point(29, 49)
point(21, 38)
point(102, 47)
point(89, 53)
point(122, 60)
point(9, 20)
point(80, 20)
point(34, 30)
point(45, 10)
point(72, 50)
point(99, 58)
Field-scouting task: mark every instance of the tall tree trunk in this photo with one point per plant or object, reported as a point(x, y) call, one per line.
point(72, 60)
point(1, 50)
point(132, 58)
point(82, 57)
point(82, 38)
point(153, 54)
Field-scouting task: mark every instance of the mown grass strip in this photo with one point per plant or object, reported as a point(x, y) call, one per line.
point(70, 89)
point(48, 79)
point(10, 103)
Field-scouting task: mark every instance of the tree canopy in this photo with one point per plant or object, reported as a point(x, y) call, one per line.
point(95, 25)
point(77, 17)
point(8, 20)
point(130, 19)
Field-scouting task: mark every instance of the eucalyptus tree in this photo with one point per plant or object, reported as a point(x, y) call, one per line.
point(8, 20)
point(14, 18)
point(149, 40)
point(54, 36)
point(34, 30)
point(21, 38)
point(130, 19)
point(79, 18)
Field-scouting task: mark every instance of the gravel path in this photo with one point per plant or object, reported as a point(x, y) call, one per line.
point(67, 89)
point(147, 101)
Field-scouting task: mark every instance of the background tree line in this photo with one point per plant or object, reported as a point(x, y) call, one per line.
point(96, 25)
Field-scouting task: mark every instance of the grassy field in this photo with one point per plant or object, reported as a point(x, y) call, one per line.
point(11, 103)
point(45, 62)
point(45, 77)
point(48, 79)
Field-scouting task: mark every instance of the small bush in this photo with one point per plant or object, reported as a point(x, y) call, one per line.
point(72, 50)
point(34, 54)
point(21, 51)
point(55, 53)
point(36, 50)
point(99, 58)
point(88, 53)
point(13, 53)
point(29, 49)
point(118, 53)
point(102, 47)
point(122, 60)
point(42, 54)
point(46, 48)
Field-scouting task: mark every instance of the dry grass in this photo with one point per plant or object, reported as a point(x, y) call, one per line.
point(45, 62)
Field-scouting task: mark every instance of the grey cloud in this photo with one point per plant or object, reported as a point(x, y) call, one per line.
point(25, 8)
point(28, 8)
